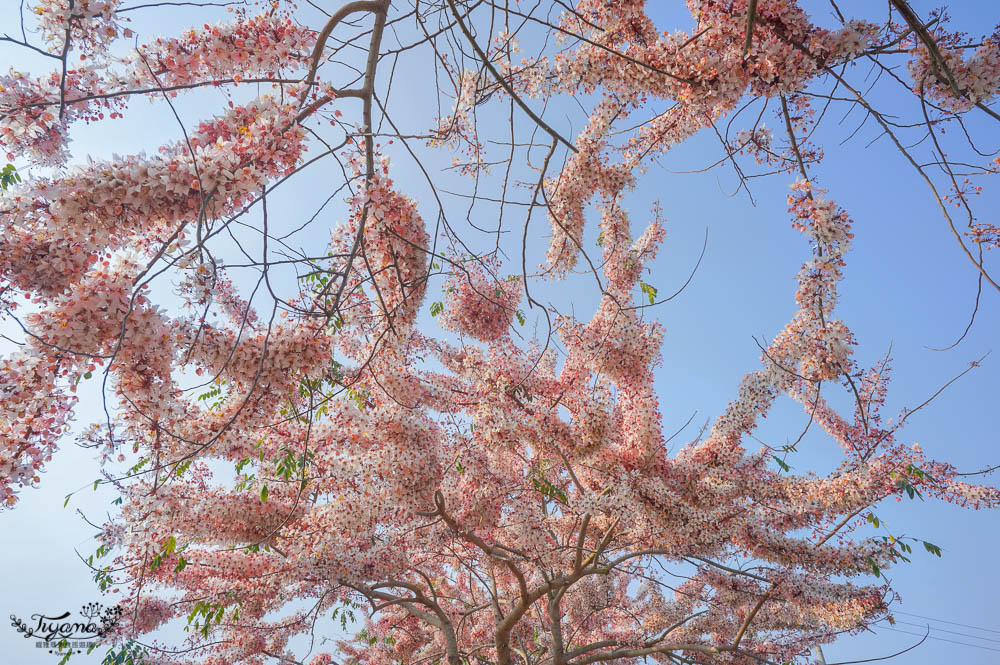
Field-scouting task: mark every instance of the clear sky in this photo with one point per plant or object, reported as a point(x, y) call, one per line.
point(906, 285)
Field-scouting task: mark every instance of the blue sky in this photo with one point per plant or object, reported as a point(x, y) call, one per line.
point(906, 284)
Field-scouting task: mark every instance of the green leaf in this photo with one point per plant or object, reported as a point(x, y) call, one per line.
point(917, 472)
point(548, 490)
point(437, 307)
point(67, 500)
point(520, 316)
point(932, 548)
point(87, 375)
point(875, 568)
point(910, 490)
point(8, 177)
point(784, 465)
point(181, 564)
point(649, 290)
point(263, 494)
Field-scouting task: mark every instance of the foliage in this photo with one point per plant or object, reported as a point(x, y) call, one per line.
point(9, 176)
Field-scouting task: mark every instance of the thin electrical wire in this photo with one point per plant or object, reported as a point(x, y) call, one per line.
point(945, 630)
point(939, 639)
point(954, 623)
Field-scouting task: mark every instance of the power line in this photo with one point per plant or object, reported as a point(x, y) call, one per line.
point(954, 623)
point(940, 639)
point(945, 630)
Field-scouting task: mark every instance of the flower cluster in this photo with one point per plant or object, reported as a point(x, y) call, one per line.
point(83, 25)
point(478, 305)
point(955, 82)
point(36, 112)
point(54, 229)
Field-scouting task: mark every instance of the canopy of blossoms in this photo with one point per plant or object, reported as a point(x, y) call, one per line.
point(468, 496)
